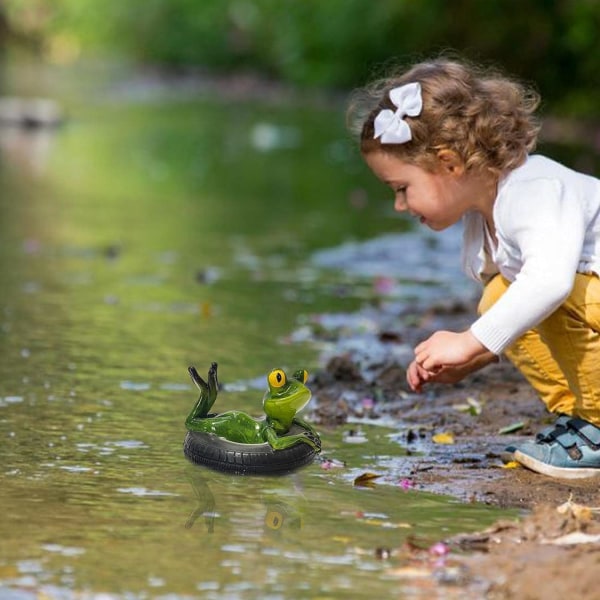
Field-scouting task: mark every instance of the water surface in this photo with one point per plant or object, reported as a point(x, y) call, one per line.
point(143, 236)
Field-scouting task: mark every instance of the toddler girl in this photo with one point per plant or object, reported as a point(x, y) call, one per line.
point(453, 141)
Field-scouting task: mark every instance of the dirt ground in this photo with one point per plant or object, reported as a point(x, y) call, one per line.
point(530, 558)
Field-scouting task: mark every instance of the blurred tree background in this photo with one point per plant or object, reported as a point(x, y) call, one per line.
point(324, 43)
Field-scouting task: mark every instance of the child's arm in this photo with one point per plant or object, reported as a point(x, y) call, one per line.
point(541, 227)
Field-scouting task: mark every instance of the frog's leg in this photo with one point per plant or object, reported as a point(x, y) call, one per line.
point(208, 394)
point(280, 443)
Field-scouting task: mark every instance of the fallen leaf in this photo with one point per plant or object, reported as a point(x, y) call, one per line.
point(576, 537)
point(512, 427)
point(580, 512)
point(366, 480)
point(512, 464)
point(471, 406)
point(443, 438)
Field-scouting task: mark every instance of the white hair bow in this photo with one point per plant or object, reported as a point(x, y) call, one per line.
point(389, 124)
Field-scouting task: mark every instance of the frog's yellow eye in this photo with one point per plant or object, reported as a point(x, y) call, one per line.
point(301, 375)
point(277, 378)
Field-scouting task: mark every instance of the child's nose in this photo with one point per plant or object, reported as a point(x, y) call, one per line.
point(400, 204)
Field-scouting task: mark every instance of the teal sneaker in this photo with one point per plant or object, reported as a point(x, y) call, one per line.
point(555, 429)
point(568, 450)
point(558, 426)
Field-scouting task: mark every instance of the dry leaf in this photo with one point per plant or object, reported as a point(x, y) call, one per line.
point(576, 537)
point(512, 464)
point(580, 512)
point(472, 406)
point(366, 480)
point(512, 427)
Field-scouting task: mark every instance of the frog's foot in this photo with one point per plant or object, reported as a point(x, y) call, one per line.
point(208, 393)
point(213, 383)
point(200, 383)
point(212, 386)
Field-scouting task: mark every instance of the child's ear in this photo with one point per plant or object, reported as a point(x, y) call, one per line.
point(450, 162)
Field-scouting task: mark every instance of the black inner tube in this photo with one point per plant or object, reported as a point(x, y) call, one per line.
point(220, 454)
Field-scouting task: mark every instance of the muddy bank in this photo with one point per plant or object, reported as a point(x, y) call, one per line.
point(475, 420)
point(553, 550)
point(552, 553)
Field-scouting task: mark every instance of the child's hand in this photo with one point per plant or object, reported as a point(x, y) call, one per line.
point(438, 351)
point(448, 349)
point(417, 377)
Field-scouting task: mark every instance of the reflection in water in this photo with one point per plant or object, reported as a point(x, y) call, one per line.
point(277, 515)
point(206, 502)
point(281, 516)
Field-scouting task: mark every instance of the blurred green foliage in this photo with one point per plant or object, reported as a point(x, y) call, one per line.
point(334, 43)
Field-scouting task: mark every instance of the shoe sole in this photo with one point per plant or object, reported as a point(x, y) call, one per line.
point(558, 472)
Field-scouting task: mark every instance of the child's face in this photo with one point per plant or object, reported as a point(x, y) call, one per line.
point(437, 200)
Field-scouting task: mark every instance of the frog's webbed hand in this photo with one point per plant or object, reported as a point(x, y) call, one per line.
point(280, 443)
point(313, 438)
point(311, 431)
point(306, 425)
point(208, 394)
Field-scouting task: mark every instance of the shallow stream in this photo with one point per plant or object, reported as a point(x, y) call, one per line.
point(155, 230)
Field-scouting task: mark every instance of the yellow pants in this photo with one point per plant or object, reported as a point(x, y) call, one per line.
point(561, 356)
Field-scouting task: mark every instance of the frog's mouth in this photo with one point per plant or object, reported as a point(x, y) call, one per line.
point(285, 407)
point(297, 399)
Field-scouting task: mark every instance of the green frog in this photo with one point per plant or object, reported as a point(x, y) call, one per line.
point(281, 403)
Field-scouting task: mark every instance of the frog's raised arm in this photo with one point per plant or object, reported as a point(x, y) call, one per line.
point(208, 393)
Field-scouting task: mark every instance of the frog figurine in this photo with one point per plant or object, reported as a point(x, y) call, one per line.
point(281, 403)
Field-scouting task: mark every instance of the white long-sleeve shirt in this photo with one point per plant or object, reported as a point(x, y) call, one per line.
point(547, 220)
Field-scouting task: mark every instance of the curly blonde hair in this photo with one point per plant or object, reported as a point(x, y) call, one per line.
point(486, 118)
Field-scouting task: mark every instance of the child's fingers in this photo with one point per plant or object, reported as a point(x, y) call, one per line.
point(414, 378)
point(427, 362)
point(417, 376)
point(423, 356)
point(411, 379)
point(419, 348)
point(420, 356)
